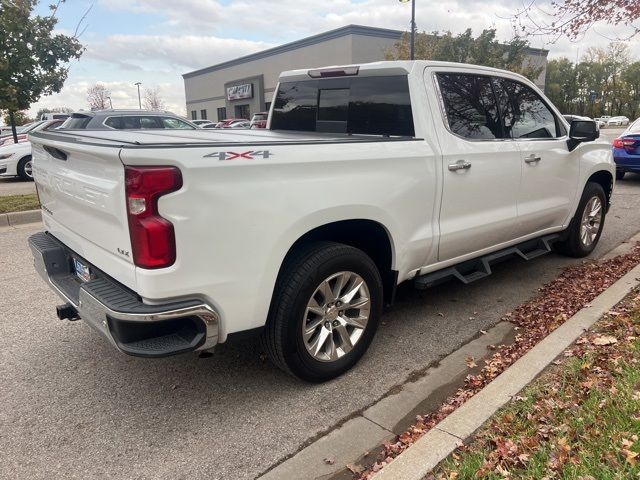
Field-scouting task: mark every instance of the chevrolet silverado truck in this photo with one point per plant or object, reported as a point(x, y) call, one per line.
point(365, 177)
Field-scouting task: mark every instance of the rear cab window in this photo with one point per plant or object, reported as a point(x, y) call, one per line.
point(357, 105)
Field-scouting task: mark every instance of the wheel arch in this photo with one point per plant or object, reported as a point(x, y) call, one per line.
point(605, 179)
point(367, 235)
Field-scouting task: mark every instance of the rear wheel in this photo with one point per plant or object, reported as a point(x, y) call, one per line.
point(586, 226)
point(325, 311)
point(619, 174)
point(25, 168)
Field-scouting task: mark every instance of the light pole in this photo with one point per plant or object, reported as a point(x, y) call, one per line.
point(413, 26)
point(110, 103)
point(139, 101)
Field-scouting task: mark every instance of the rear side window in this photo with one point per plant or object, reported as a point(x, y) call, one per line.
point(470, 105)
point(359, 105)
point(524, 113)
point(76, 123)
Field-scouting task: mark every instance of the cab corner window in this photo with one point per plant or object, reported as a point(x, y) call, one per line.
point(470, 105)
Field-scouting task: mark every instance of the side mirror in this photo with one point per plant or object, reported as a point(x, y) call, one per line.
point(582, 131)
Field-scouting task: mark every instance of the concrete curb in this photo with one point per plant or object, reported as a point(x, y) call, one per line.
point(12, 219)
point(424, 455)
point(385, 419)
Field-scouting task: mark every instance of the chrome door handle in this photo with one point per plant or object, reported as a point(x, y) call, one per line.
point(460, 165)
point(532, 158)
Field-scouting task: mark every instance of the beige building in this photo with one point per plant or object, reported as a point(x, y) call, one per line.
point(244, 86)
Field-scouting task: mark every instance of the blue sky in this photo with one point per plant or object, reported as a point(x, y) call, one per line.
point(156, 41)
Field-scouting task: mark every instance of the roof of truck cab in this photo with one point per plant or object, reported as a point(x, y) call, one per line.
point(390, 67)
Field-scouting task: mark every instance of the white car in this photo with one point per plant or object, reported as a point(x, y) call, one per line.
point(202, 123)
point(618, 122)
point(368, 176)
point(15, 158)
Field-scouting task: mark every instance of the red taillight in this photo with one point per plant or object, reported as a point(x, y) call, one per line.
point(626, 143)
point(153, 241)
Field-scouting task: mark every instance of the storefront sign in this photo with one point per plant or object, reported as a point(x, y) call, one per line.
point(238, 92)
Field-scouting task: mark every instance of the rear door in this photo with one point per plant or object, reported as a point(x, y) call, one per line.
point(481, 171)
point(550, 171)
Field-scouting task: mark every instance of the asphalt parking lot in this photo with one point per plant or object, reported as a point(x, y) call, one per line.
point(73, 407)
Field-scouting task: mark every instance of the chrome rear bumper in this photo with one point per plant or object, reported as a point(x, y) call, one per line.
point(119, 314)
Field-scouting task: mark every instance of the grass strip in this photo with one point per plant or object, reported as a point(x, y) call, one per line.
point(579, 420)
point(19, 203)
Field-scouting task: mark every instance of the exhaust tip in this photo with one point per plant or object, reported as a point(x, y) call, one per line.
point(67, 312)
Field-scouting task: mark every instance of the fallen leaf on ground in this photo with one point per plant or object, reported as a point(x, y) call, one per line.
point(604, 340)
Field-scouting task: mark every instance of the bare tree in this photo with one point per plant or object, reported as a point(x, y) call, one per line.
point(152, 99)
point(98, 97)
point(572, 18)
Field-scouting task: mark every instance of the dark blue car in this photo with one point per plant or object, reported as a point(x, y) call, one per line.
point(626, 151)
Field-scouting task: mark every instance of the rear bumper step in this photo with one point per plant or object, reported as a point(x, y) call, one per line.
point(118, 313)
point(480, 267)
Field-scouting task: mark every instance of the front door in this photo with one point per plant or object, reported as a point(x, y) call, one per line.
point(481, 171)
point(549, 170)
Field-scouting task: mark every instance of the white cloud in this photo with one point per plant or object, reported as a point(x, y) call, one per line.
point(192, 34)
point(171, 53)
point(123, 95)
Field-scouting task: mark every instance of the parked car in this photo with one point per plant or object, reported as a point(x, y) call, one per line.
point(626, 151)
point(54, 116)
point(226, 123)
point(368, 176)
point(239, 124)
point(21, 130)
point(202, 123)
point(601, 123)
point(213, 125)
point(15, 158)
point(618, 121)
point(259, 120)
point(126, 120)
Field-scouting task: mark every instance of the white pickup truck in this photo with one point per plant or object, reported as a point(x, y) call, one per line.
point(367, 176)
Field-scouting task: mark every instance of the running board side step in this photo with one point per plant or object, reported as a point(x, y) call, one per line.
point(480, 267)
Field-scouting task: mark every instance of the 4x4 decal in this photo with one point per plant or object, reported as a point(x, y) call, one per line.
point(250, 155)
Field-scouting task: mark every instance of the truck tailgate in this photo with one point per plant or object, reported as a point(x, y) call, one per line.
point(82, 192)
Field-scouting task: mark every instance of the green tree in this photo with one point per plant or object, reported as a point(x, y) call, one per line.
point(561, 84)
point(33, 60)
point(484, 49)
point(631, 78)
point(21, 118)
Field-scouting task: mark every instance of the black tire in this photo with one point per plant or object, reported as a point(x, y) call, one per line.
point(572, 245)
point(303, 272)
point(619, 174)
point(24, 170)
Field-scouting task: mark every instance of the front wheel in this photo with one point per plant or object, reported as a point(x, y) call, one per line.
point(25, 168)
point(325, 311)
point(586, 226)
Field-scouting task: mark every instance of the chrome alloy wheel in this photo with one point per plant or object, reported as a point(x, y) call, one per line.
point(28, 169)
point(336, 316)
point(591, 221)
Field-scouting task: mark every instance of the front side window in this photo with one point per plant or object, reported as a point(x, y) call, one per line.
point(470, 105)
point(359, 105)
point(524, 113)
